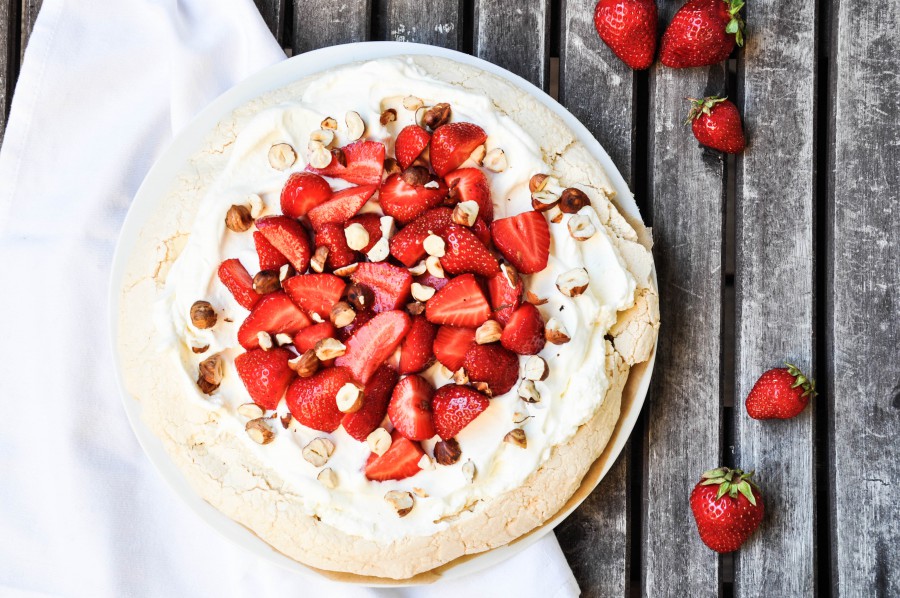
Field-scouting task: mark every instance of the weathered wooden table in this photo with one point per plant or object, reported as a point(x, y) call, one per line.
point(789, 251)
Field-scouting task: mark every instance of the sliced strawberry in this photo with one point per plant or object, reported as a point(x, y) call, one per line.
point(342, 206)
point(410, 408)
point(483, 232)
point(493, 365)
point(365, 161)
point(347, 331)
point(315, 293)
point(373, 342)
point(302, 192)
point(524, 333)
point(405, 202)
point(524, 240)
point(470, 184)
point(339, 253)
point(451, 344)
point(390, 284)
point(504, 297)
point(465, 253)
point(274, 313)
point(452, 143)
point(376, 396)
point(454, 407)
point(289, 237)
point(265, 374)
point(416, 350)
point(410, 144)
point(432, 281)
point(372, 223)
point(406, 245)
point(399, 462)
point(307, 338)
point(236, 279)
point(269, 257)
point(460, 303)
point(312, 401)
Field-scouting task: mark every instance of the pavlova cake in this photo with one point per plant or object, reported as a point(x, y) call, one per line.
point(385, 317)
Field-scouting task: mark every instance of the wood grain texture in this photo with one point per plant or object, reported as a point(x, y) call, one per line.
point(514, 35)
point(774, 289)
point(864, 311)
point(407, 21)
point(272, 12)
point(320, 23)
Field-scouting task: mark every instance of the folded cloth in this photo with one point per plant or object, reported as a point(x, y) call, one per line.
point(104, 87)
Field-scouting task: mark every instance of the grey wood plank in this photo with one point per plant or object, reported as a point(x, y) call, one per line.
point(439, 25)
point(5, 84)
point(272, 12)
point(864, 310)
point(320, 23)
point(514, 35)
point(30, 10)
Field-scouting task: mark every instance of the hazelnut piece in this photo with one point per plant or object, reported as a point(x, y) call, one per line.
point(342, 314)
point(516, 437)
point(328, 478)
point(574, 282)
point(317, 261)
point(266, 281)
point(437, 115)
point(250, 411)
point(495, 160)
point(416, 176)
point(359, 296)
point(412, 103)
point(349, 398)
point(402, 501)
point(465, 213)
point(238, 218)
point(469, 470)
point(305, 365)
point(329, 348)
point(391, 166)
point(211, 371)
point(434, 246)
point(536, 368)
point(538, 182)
point(380, 250)
point(357, 236)
point(259, 431)
point(447, 452)
point(421, 292)
point(282, 156)
point(203, 315)
point(379, 441)
point(329, 123)
point(356, 128)
point(572, 200)
point(528, 392)
point(318, 451)
point(319, 156)
point(581, 228)
point(543, 201)
point(489, 332)
point(416, 308)
point(434, 267)
point(556, 333)
point(388, 116)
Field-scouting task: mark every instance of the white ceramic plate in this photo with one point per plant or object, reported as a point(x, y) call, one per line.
point(188, 142)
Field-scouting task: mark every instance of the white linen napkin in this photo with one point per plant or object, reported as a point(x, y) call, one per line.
point(104, 87)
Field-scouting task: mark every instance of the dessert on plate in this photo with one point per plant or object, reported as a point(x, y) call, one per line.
point(384, 318)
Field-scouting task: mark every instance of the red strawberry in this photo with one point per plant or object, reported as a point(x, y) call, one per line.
point(716, 123)
point(289, 238)
point(524, 333)
point(452, 143)
point(315, 293)
point(410, 408)
point(302, 192)
point(347, 331)
point(465, 253)
point(416, 352)
point(492, 364)
point(727, 507)
point(702, 32)
point(410, 144)
point(372, 223)
point(269, 257)
point(483, 232)
point(524, 240)
point(342, 206)
point(390, 284)
point(312, 401)
point(454, 407)
point(405, 202)
point(339, 253)
point(307, 338)
point(432, 281)
point(237, 280)
point(628, 27)
point(274, 313)
point(470, 184)
point(373, 342)
point(460, 303)
point(399, 462)
point(265, 374)
point(364, 163)
point(406, 245)
point(505, 298)
point(780, 393)
point(376, 396)
point(451, 344)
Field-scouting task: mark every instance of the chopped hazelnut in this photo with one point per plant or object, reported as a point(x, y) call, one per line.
point(328, 478)
point(357, 236)
point(516, 437)
point(318, 451)
point(238, 218)
point(402, 501)
point(203, 315)
point(329, 123)
point(356, 128)
point(267, 281)
point(556, 333)
point(388, 116)
point(572, 200)
point(536, 368)
point(447, 452)
point(317, 262)
point(574, 282)
point(434, 246)
point(465, 213)
point(305, 365)
point(489, 332)
point(282, 156)
point(250, 411)
point(434, 267)
point(379, 441)
point(437, 115)
point(421, 292)
point(412, 103)
point(495, 160)
point(329, 348)
point(349, 398)
point(259, 431)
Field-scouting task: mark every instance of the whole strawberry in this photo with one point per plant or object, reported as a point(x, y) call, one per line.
point(628, 27)
point(702, 32)
point(716, 123)
point(780, 393)
point(727, 507)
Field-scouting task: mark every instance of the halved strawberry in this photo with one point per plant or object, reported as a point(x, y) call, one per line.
point(265, 374)
point(289, 237)
point(311, 401)
point(410, 144)
point(451, 344)
point(302, 192)
point(269, 257)
point(372, 223)
point(470, 184)
point(342, 206)
point(274, 313)
point(376, 396)
point(390, 284)
point(236, 279)
point(432, 281)
point(315, 293)
point(410, 408)
point(347, 331)
point(452, 143)
point(454, 407)
point(406, 245)
point(494, 365)
point(374, 342)
point(524, 240)
point(465, 253)
point(405, 202)
point(416, 352)
point(339, 253)
point(460, 303)
point(307, 338)
point(504, 297)
point(524, 333)
point(399, 462)
point(365, 161)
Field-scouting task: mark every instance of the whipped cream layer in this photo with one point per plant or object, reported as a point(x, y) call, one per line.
point(571, 394)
